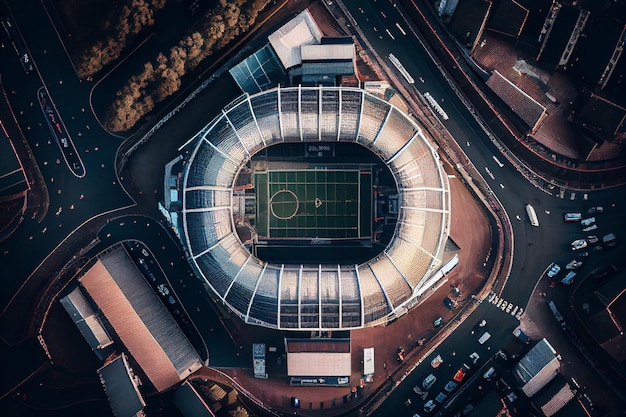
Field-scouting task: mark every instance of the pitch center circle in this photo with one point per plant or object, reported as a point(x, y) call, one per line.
point(284, 204)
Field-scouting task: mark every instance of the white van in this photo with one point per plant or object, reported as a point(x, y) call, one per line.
point(484, 338)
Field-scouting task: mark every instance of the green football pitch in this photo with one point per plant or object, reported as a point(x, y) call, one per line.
point(309, 204)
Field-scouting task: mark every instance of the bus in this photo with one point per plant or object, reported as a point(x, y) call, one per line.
point(396, 63)
point(532, 215)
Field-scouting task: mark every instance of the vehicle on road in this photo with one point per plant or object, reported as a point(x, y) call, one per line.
point(484, 338)
point(429, 381)
point(450, 386)
point(441, 398)
point(429, 406)
point(554, 269)
point(594, 210)
point(569, 278)
point(573, 217)
point(573, 264)
point(532, 215)
point(437, 360)
point(579, 244)
point(474, 357)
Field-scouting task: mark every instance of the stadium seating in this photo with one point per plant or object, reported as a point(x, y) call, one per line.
point(316, 296)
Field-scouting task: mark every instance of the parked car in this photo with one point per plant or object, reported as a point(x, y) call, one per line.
point(418, 390)
point(474, 357)
point(429, 406)
point(588, 222)
point(437, 360)
point(429, 381)
point(448, 302)
point(591, 228)
point(450, 386)
point(582, 254)
point(609, 239)
point(569, 278)
point(489, 374)
point(594, 210)
point(579, 244)
point(592, 239)
point(554, 269)
point(521, 336)
point(459, 375)
point(441, 398)
point(573, 264)
point(438, 321)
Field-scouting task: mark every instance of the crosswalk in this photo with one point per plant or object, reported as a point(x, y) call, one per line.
point(505, 306)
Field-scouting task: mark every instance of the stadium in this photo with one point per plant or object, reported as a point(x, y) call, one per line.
point(311, 296)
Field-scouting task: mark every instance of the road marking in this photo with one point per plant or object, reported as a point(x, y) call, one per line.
point(501, 186)
point(390, 35)
point(500, 164)
point(400, 29)
point(490, 173)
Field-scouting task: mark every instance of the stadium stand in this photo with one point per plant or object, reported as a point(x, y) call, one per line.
point(312, 296)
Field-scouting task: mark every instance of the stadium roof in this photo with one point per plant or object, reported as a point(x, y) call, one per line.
point(313, 296)
point(140, 320)
point(286, 41)
point(121, 387)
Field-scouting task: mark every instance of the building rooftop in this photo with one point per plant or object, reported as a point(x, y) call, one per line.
point(140, 320)
point(526, 107)
point(121, 388)
point(286, 41)
point(508, 18)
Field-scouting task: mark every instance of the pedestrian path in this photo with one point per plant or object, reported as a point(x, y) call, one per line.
point(502, 304)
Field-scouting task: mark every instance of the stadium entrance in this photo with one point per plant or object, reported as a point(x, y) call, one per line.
point(315, 202)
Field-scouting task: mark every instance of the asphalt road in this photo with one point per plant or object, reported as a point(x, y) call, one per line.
point(75, 200)
point(535, 247)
